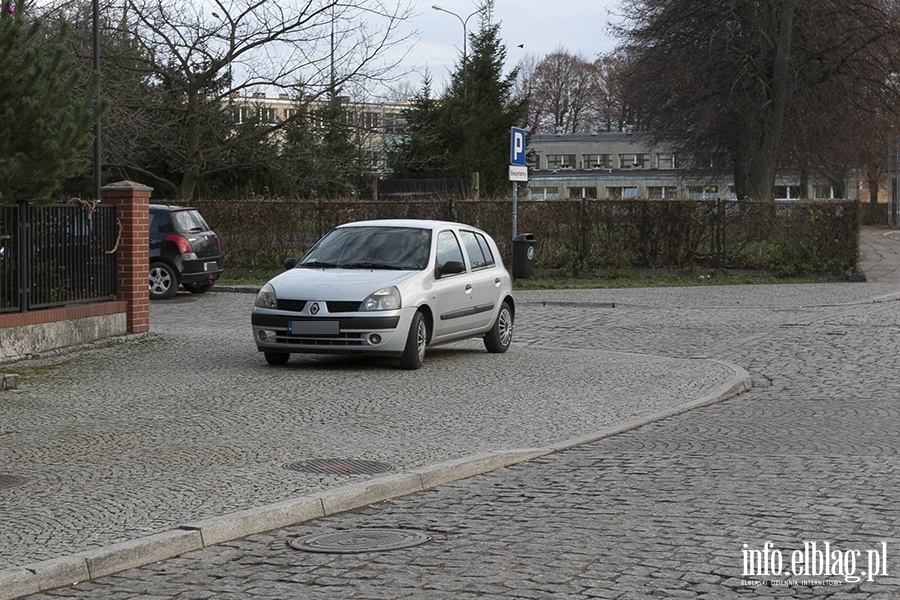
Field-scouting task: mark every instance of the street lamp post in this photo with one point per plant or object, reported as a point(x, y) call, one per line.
point(465, 33)
point(95, 10)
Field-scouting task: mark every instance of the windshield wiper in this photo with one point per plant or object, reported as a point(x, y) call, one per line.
point(317, 265)
point(371, 265)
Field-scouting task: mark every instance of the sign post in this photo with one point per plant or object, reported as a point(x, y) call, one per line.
point(517, 169)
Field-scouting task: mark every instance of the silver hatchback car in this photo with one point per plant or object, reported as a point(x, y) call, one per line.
point(389, 288)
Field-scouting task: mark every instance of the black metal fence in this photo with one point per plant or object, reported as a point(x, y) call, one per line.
point(56, 255)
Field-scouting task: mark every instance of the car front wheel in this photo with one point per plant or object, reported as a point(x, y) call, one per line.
point(163, 281)
point(499, 337)
point(414, 353)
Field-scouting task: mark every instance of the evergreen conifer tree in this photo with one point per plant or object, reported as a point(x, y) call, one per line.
point(46, 114)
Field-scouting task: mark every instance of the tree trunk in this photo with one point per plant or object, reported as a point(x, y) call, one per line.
point(873, 178)
point(193, 155)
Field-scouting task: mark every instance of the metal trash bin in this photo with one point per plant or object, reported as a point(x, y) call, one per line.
point(523, 255)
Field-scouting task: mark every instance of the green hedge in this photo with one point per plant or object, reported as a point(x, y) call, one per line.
point(789, 239)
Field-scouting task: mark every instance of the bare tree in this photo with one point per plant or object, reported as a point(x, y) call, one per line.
point(561, 87)
point(609, 106)
point(725, 79)
point(191, 60)
point(569, 94)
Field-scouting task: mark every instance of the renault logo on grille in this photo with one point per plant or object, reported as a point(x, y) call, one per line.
point(314, 309)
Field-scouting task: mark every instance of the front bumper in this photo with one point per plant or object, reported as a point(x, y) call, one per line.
point(380, 333)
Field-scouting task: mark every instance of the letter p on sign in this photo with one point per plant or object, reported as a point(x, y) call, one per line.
point(517, 146)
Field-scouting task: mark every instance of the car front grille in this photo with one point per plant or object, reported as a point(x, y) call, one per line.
point(292, 305)
point(346, 340)
point(334, 306)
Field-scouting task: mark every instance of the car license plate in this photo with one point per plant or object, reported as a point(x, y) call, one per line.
point(210, 266)
point(314, 327)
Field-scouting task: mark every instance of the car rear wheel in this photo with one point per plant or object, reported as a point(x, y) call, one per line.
point(499, 337)
point(198, 288)
point(414, 353)
point(277, 358)
point(163, 281)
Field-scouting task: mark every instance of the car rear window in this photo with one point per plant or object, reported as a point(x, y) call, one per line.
point(189, 221)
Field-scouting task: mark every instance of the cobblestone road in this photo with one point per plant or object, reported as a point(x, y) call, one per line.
point(671, 510)
point(809, 455)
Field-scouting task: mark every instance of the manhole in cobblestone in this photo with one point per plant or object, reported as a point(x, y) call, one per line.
point(338, 466)
point(8, 481)
point(355, 541)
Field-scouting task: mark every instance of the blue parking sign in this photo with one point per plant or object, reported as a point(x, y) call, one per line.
point(517, 147)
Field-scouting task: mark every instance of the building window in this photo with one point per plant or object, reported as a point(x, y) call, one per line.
point(665, 161)
point(583, 192)
point(598, 161)
point(560, 161)
point(634, 161)
point(370, 120)
point(544, 193)
point(787, 192)
point(267, 115)
point(825, 191)
point(394, 123)
point(627, 192)
point(621, 193)
point(703, 192)
point(668, 192)
point(241, 114)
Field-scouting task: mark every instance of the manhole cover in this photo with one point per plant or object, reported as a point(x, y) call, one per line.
point(8, 481)
point(338, 466)
point(360, 540)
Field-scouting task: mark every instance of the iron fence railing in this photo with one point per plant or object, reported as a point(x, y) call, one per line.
point(56, 255)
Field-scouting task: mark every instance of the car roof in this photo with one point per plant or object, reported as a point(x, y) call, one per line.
point(170, 207)
point(417, 223)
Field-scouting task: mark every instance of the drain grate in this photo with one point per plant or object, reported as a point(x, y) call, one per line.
point(338, 466)
point(8, 481)
point(355, 541)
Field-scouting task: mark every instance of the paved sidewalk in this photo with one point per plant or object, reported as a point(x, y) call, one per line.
point(880, 254)
point(660, 511)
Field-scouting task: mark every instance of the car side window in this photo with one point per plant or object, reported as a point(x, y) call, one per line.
point(485, 249)
point(448, 248)
point(160, 222)
point(477, 248)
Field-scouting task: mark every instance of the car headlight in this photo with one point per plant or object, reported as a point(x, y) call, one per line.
point(265, 298)
point(383, 299)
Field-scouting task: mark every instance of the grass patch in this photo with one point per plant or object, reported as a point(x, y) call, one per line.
point(643, 281)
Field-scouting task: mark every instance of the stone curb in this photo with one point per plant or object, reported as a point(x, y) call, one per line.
point(83, 566)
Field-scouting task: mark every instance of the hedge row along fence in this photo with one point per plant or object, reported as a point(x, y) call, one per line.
point(576, 235)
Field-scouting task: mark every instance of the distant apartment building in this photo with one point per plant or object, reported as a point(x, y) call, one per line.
point(603, 165)
point(374, 125)
point(622, 165)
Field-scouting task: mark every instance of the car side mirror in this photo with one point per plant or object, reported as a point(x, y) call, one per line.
point(290, 263)
point(451, 267)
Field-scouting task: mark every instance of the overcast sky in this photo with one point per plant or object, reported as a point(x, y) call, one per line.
point(578, 26)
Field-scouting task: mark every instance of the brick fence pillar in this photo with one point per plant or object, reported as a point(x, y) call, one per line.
point(132, 202)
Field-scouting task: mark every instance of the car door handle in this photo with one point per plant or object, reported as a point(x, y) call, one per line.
point(468, 287)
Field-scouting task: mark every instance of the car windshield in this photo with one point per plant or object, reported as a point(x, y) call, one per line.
point(402, 248)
